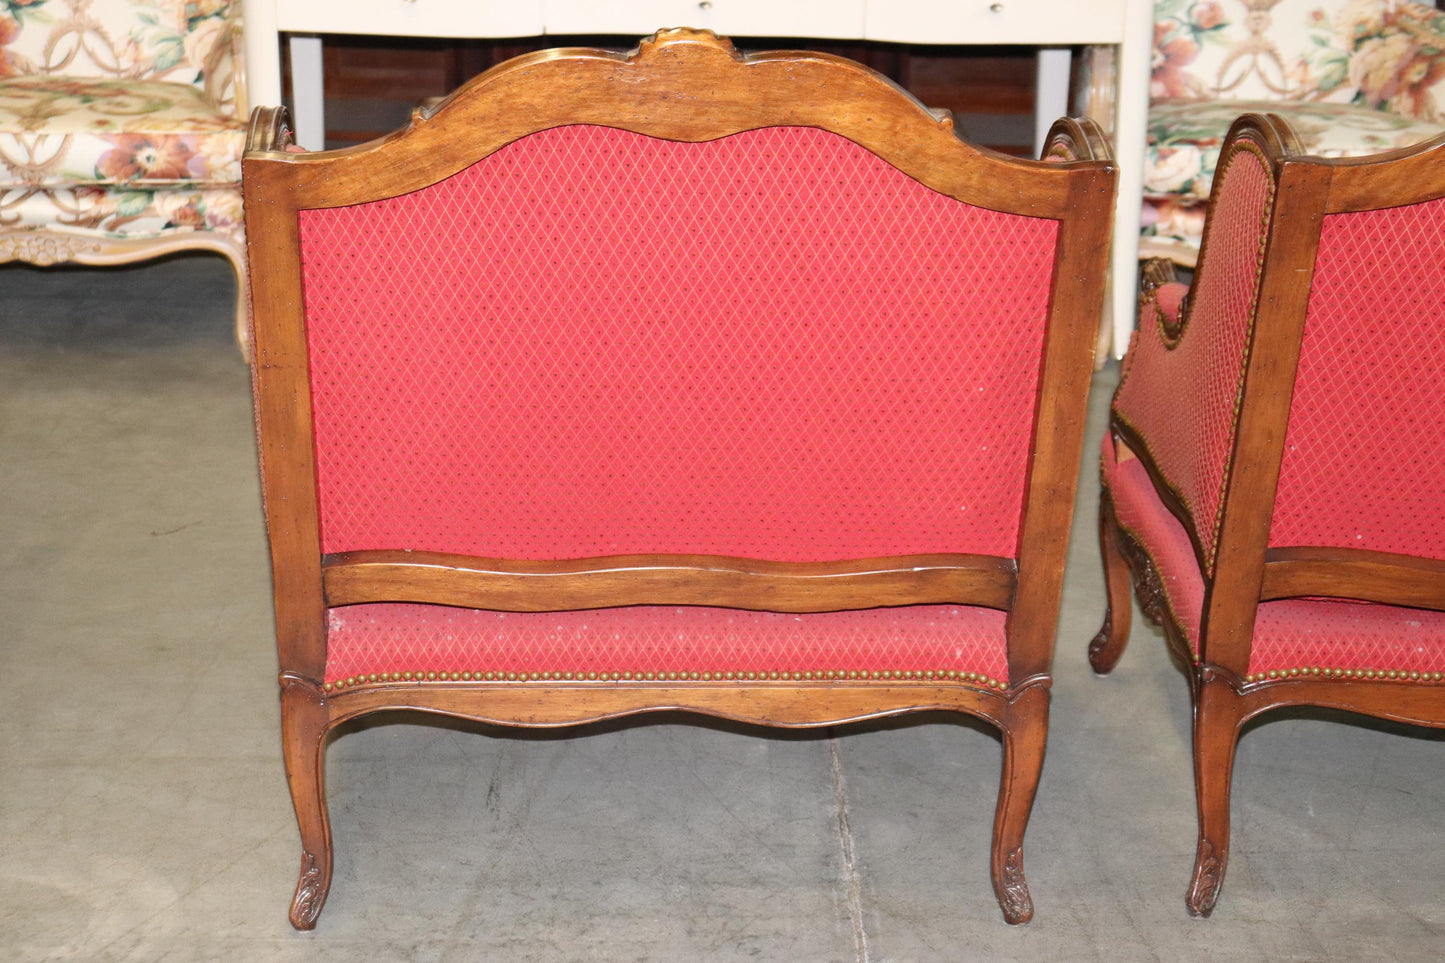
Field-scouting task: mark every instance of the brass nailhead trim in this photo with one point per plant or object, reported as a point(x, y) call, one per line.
point(875, 675)
point(1329, 672)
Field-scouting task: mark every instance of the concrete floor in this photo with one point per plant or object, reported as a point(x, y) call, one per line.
point(143, 805)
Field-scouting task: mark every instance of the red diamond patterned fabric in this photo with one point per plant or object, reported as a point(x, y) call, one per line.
point(1298, 633)
point(1142, 514)
point(1288, 633)
point(1182, 399)
point(371, 639)
point(773, 345)
point(1364, 459)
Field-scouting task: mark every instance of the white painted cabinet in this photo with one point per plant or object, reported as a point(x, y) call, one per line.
point(1127, 24)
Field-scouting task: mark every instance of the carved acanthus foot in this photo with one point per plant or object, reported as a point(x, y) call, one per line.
point(1013, 891)
point(311, 890)
point(1208, 878)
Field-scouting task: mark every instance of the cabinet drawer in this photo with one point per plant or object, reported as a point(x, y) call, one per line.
point(413, 18)
point(739, 18)
point(1035, 22)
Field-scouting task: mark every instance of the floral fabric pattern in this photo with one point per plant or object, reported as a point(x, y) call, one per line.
point(1352, 77)
point(122, 213)
point(67, 131)
point(190, 42)
point(1185, 137)
point(1381, 54)
point(119, 119)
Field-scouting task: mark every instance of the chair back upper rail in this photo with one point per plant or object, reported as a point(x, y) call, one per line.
point(680, 85)
point(721, 95)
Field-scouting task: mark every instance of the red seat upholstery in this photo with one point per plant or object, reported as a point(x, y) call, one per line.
point(1275, 470)
point(379, 642)
point(679, 380)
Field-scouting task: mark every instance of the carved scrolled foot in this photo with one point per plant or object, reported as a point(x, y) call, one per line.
point(1106, 647)
point(1208, 878)
point(1013, 891)
point(311, 890)
point(1103, 656)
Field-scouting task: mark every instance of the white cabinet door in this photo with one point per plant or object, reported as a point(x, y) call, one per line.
point(739, 18)
point(1033, 22)
point(412, 18)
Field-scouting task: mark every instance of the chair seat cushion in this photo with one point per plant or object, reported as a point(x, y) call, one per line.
point(380, 642)
point(85, 213)
point(1185, 137)
point(1291, 636)
point(69, 131)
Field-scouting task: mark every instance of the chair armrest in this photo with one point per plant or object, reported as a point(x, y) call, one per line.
point(1161, 294)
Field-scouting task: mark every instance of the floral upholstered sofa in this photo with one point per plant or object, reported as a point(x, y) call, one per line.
point(121, 129)
point(1351, 76)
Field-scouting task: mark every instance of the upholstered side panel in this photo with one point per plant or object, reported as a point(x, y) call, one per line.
point(1180, 392)
point(1364, 458)
point(1144, 517)
point(401, 642)
point(1321, 637)
point(772, 345)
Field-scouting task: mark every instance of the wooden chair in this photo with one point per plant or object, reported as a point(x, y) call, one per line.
point(673, 380)
point(1274, 477)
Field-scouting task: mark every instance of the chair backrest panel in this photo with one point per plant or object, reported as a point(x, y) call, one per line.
point(594, 342)
point(1363, 466)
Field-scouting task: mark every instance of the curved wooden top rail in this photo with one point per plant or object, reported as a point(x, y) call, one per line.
point(1381, 577)
point(1409, 175)
point(1394, 178)
point(522, 586)
point(684, 85)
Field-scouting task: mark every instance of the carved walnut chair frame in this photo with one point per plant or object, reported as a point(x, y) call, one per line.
point(1239, 567)
point(686, 86)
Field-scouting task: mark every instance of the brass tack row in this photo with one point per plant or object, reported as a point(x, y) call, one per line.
point(907, 675)
point(1321, 672)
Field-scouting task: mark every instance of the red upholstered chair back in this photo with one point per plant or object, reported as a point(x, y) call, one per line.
point(1364, 463)
point(675, 380)
point(593, 342)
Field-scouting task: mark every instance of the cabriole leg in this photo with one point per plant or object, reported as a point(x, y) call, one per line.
point(1217, 718)
point(304, 723)
point(1108, 645)
point(1023, 759)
